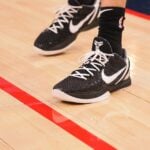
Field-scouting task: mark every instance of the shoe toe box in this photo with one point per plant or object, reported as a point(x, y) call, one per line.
point(67, 85)
point(45, 41)
point(80, 88)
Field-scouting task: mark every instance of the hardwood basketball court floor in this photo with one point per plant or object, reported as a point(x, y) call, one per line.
point(31, 119)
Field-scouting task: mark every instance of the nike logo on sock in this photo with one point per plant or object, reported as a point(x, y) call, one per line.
point(76, 28)
point(111, 78)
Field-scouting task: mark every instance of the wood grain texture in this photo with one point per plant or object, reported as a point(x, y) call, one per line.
point(122, 120)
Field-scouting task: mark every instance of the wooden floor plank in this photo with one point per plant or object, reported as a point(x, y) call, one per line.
point(24, 129)
point(122, 120)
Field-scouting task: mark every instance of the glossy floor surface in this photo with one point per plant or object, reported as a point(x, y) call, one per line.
point(123, 120)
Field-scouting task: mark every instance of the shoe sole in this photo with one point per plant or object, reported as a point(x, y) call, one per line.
point(53, 52)
point(67, 98)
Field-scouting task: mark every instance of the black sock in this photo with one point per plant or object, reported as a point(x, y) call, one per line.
point(111, 27)
point(81, 2)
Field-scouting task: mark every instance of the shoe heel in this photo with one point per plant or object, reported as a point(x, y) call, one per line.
point(123, 84)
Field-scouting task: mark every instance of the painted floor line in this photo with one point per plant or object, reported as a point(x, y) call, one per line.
point(46, 111)
point(138, 14)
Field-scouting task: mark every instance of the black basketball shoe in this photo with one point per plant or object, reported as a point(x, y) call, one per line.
point(100, 74)
point(63, 31)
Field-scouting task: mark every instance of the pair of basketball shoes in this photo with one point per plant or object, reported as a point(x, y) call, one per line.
point(101, 73)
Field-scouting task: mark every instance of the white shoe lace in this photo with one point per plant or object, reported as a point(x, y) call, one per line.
point(96, 59)
point(62, 16)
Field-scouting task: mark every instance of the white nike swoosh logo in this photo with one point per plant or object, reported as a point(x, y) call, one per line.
point(75, 28)
point(110, 79)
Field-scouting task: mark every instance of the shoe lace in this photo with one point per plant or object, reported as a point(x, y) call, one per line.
point(62, 16)
point(92, 62)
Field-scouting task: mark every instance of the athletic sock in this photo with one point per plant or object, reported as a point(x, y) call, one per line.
point(111, 27)
point(81, 2)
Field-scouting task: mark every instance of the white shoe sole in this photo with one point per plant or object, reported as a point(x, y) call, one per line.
point(53, 52)
point(67, 98)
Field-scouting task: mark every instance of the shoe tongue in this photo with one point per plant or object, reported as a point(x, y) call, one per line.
point(80, 2)
point(102, 45)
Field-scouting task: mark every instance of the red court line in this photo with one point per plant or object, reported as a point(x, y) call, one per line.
point(54, 116)
point(142, 15)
